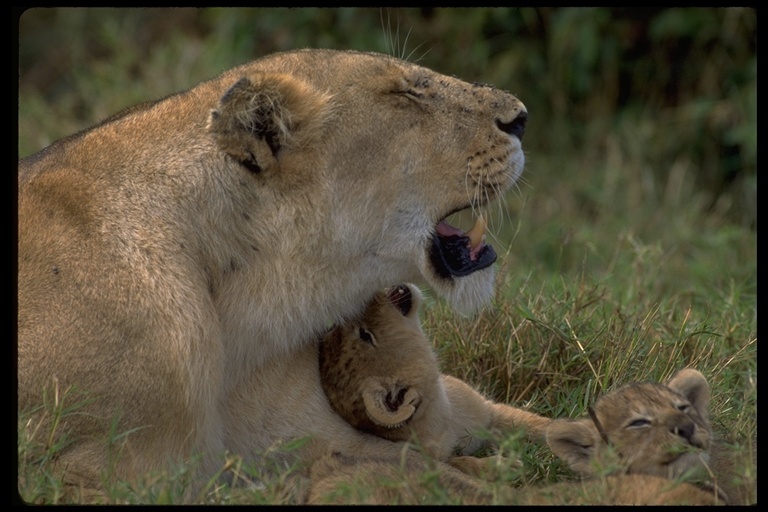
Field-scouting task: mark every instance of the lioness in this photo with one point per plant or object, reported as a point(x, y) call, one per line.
point(381, 375)
point(172, 258)
point(653, 429)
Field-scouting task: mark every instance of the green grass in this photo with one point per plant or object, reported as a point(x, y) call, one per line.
point(619, 260)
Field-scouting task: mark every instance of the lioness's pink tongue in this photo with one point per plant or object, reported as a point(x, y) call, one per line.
point(445, 229)
point(456, 254)
point(476, 234)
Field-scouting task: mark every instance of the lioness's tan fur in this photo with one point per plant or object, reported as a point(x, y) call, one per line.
point(654, 429)
point(381, 375)
point(174, 258)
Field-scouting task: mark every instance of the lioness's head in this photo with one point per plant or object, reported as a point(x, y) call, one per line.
point(648, 428)
point(377, 370)
point(381, 151)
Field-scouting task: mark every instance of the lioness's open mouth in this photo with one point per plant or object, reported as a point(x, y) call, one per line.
point(455, 253)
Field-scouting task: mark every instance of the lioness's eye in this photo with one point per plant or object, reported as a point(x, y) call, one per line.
point(639, 423)
point(409, 93)
point(366, 336)
point(413, 94)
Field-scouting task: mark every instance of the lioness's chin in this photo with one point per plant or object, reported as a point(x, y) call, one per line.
point(466, 294)
point(458, 266)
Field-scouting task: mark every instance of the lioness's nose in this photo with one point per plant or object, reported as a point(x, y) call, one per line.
point(516, 126)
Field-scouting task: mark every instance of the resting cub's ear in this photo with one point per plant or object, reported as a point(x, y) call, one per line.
point(574, 442)
point(694, 387)
point(265, 114)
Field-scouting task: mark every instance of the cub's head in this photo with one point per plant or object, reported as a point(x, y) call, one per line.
point(648, 428)
point(369, 155)
point(376, 371)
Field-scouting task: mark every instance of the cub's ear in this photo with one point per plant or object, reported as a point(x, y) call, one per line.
point(694, 387)
point(388, 403)
point(265, 114)
point(406, 298)
point(574, 441)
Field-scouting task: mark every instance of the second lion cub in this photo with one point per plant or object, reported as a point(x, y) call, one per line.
point(381, 375)
point(658, 429)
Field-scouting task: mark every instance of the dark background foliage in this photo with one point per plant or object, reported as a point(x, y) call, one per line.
point(679, 83)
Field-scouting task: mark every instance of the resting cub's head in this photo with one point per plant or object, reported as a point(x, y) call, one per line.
point(373, 378)
point(648, 428)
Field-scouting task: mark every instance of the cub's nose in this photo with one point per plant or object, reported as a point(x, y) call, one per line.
point(687, 431)
point(515, 127)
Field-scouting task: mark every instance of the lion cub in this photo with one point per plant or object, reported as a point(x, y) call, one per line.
point(653, 429)
point(381, 375)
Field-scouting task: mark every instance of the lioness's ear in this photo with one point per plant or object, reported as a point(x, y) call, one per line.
point(573, 441)
point(694, 387)
point(264, 114)
point(388, 403)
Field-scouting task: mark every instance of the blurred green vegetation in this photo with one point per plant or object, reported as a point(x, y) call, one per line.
point(677, 85)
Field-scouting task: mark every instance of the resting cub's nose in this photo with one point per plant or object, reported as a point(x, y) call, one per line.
point(516, 126)
point(685, 430)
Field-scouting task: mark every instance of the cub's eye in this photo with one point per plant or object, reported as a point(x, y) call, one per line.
point(641, 422)
point(684, 408)
point(366, 336)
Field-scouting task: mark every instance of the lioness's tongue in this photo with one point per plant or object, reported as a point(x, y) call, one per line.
point(475, 235)
point(445, 229)
point(455, 253)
